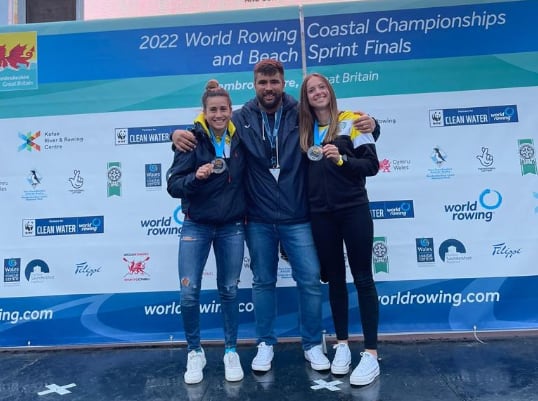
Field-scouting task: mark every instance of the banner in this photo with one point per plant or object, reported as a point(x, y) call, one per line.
point(90, 235)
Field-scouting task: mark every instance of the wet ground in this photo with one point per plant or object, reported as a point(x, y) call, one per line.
point(487, 369)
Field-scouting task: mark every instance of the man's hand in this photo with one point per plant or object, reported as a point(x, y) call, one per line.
point(183, 140)
point(364, 123)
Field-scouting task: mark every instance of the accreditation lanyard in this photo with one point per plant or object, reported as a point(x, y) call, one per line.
point(318, 136)
point(219, 145)
point(272, 134)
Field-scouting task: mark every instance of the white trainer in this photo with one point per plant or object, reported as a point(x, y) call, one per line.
point(233, 372)
point(263, 359)
point(342, 359)
point(317, 359)
point(195, 367)
point(366, 371)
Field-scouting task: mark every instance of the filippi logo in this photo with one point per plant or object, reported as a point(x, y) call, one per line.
point(489, 200)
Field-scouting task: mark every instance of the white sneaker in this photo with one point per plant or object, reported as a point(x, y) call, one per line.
point(195, 365)
point(263, 359)
point(342, 359)
point(233, 372)
point(366, 371)
point(317, 358)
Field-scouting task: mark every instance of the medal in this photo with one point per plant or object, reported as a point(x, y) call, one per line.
point(315, 153)
point(219, 165)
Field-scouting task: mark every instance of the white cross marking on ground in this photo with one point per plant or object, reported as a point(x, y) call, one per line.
point(54, 388)
point(328, 385)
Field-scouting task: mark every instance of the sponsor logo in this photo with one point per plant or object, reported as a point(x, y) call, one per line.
point(502, 249)
point(385, 165)
point(527, 156)
point(3, 186)
point(161, 226)
point(145, 135)
point(439, 157)
point(486, 160)
point(35, 180)
point(488, 200)
point(398, 209)
point(77, 182)
point(425, 250)
point(453, 251)
point(473, 116)
point(153, 176)
point(29, 141)
point(63, 226)
point(401, 165)
point(53, 141)
point(18, 61)
point(12, 270)
point(37, 271)
point(380, 255)
point(136, 266)
point(114, 179)
point(84, 269)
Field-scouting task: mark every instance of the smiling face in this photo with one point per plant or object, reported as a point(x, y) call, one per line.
point(269, 91)
point(318, 94)
point(217, 113)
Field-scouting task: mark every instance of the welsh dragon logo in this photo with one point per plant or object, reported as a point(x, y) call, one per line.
point(15, 57)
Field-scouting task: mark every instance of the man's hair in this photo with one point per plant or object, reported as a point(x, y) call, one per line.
point(269, 67)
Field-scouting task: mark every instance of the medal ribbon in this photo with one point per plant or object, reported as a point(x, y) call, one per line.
point(318, 136)
point(272, 133)
point(219, 146)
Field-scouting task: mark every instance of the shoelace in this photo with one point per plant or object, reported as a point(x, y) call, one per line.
point(195, 360)
point(264, 350)
point(340, 352)
point(233, 360)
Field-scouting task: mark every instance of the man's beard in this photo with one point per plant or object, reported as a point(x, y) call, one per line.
point(272, 105)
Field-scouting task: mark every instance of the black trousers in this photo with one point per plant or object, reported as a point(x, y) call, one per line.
point(354, 228)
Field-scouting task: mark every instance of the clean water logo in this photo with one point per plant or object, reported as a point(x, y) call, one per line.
point(474, 116)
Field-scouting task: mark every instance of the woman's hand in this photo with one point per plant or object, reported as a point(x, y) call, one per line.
point(331, 152)
point(204, 171)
